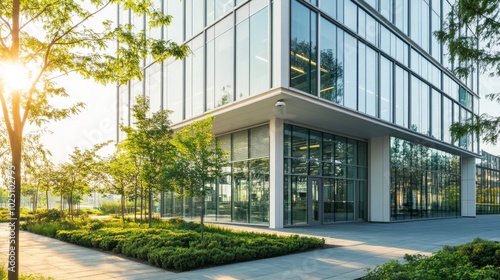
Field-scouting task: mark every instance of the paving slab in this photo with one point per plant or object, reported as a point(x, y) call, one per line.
point(360, 245)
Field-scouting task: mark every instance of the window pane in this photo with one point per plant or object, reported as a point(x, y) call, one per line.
point(259, 142)
point(303, 49)
point(350, 11)
point(371, 82)
point(259, 191)
point(240, 192)
point(259, 52)
point(299, 142)
point(362, 77)
point(242, 60)
point(210, 76)
point(224, 69)
point(436, 114)
point(350, 69)
point(240, 145)
point(330, 70)
point(386, 89)
point(174, 90)
point(153, 87)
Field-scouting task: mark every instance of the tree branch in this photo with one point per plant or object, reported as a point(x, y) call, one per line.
point(54, 41)
point(35, 16)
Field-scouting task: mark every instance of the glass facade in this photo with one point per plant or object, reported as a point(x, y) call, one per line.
point(386, 77)
point(243, 195)
point(488, 184)
point(425, 182)
point(377, 58)
point(230, 60)
point(325, 177)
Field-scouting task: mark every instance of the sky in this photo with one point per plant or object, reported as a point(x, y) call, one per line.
point(94, 124)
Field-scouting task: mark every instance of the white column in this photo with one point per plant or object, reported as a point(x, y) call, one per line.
point(281, 44)
point(276, 173)
point(379, 199)
point(468, 186)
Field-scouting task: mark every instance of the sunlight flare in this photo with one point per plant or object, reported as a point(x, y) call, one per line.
point(13, 77)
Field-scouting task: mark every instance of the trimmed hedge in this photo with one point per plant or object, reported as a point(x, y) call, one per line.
point(478, 259)
point(177, 245)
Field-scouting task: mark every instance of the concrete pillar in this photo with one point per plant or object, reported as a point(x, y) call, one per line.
point(281, 44)
point(468, 186)
point(276, 173)
point(379, 199)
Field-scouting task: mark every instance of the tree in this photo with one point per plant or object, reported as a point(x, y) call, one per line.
point(36, 169)
point(149, 142)
point(199, 161)
point(61, 44)
point(481, 20)
point(118, 174)
point(79, 173)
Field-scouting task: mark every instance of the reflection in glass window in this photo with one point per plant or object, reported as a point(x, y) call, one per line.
point(341, 162)
point(303, 56)
point(331, 57)
point(259, 190)
point(240, 192)
point(430, 188)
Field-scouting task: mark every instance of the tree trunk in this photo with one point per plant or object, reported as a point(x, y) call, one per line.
point(150, 208)
point(135, 206)
point(142, 203)
point(14, 202)
point(35, 202)
point(202, 214)
point(123, 206)
point(47, 198)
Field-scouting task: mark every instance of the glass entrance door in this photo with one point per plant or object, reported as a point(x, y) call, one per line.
point(315, 205)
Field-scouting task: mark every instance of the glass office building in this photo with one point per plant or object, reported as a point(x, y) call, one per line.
point(333, 111)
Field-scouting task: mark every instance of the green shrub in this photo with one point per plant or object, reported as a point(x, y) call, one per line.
point(50, 215)
point(480, 252)
point(114, 207)
point(475, 260)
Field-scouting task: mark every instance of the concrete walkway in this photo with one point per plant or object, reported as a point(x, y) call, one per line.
point(363, 245)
